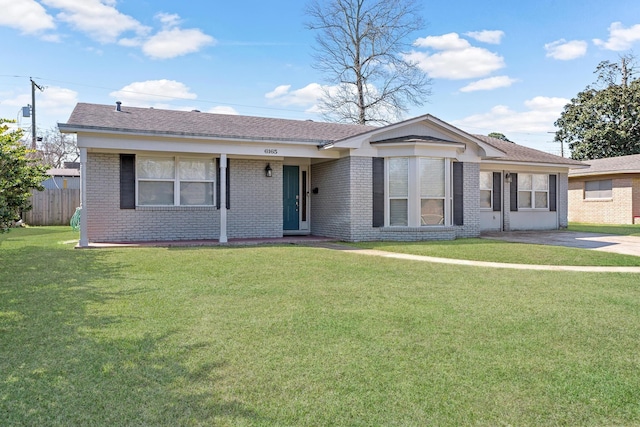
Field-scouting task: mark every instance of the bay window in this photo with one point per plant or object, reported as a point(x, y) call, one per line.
point(418, 190)
point(170, 181)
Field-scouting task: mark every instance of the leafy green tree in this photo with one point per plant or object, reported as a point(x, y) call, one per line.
point(601, 123)
point(19, 173)
point(499, 135)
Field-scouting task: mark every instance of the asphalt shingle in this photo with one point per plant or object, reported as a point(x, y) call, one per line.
point(171, 122)
point(622, 164)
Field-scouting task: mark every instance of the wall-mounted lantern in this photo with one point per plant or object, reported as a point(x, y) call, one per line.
point(268, 172)
point(507, 177)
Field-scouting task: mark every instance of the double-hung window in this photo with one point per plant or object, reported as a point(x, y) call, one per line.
point(533, 191)
point(170, 181)
point(486, 190)
point(398, 191)
point(432, 191)
point(418, 190)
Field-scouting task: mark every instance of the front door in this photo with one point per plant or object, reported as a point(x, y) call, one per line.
point(291, 198)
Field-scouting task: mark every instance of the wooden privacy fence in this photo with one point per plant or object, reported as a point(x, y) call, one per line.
point(52, 206)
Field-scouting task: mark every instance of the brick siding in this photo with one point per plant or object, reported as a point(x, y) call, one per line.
point(346, 212)
point(619, 209)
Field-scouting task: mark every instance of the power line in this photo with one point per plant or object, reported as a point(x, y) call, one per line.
point(204, 101)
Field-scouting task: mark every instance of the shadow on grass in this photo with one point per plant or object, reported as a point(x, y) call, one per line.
point(62, 364)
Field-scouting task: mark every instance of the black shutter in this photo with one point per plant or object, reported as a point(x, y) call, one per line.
point(458, 193)
point(377, 169)
point(497, 191)
point(514, 192)
point(227, 187)
point(552, 193)
point(127, 181)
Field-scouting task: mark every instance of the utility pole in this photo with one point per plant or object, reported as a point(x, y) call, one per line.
point(561, 146)
point(34, 85)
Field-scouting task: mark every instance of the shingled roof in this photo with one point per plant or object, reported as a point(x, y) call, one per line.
point(611, 165)
point(97, 117)
point(521, 154)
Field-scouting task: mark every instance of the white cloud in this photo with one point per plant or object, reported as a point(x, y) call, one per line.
point(620, 38)
point(566, 50)
point(57, 100)
point(100, 20)
point(103, 22)
point(451, 41)
point(278, 92)
point(467, 63)
point(306, 96)
point(28, 16)
point(150, 93)
point(540, 115)
point(223, 109)
point(457, 59)
point(169, 20)
point(486, 36)
point(176, 42)
point(489, 84)
point(54, 101)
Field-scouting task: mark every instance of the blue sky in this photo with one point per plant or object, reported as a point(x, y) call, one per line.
point(504, 66)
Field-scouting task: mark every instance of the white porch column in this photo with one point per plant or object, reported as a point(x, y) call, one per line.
point(84, 238)
point(223, 199)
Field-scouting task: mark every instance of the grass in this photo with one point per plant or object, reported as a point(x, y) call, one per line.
point(506, 252)
point(626, 230)
point(289, 335)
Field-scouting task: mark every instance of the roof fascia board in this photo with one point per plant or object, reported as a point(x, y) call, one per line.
point(580, 173)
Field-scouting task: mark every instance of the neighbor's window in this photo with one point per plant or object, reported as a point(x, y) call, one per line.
point(602, 189)
point(168, 181)
point(486, 190)
point(533, 191)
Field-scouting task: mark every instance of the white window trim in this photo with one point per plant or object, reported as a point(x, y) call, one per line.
point(533, 194)
point(176, 180)
point(415, 197)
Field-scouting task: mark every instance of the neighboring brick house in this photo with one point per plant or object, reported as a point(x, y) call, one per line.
point(606, 192)
point(150, 174)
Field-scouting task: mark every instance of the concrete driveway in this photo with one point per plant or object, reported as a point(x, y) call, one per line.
point(628, 245)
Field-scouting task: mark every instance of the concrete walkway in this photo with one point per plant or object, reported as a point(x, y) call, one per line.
point(626, 245)
point(385, 254)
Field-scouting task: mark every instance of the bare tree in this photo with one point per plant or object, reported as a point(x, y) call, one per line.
point(56, 148)
point(360, 48)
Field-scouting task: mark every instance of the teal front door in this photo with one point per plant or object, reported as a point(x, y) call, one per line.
point(291, 198)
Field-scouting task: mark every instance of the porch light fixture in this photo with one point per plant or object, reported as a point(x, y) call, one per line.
point(507, 177)
point(268, 172)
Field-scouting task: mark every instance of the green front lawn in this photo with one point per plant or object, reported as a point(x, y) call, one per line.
point(626, 230)
point(290, 335)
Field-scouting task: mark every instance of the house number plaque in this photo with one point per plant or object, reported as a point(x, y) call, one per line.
point(270, 151)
